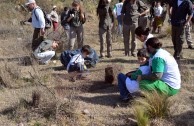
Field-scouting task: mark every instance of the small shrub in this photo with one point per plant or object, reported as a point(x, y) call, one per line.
point(156, 105)
point(141, 116)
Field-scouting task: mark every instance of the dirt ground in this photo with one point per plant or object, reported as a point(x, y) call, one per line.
point(100, 100)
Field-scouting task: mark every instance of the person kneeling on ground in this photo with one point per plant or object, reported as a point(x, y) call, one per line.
point(45, 51)
point(77, 61)
point(127, 83)
point(89, 61)
point(165, 77)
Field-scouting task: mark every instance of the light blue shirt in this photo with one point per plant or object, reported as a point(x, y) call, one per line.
point(38, 21)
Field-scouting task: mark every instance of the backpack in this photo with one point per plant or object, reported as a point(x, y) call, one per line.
point(46, 17)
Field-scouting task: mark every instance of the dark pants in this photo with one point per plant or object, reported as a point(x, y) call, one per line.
point(36, 39)
point(178, 40)
point(122, 86)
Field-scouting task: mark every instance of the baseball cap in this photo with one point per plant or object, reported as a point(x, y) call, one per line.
point(30, 1)
point(54, 6)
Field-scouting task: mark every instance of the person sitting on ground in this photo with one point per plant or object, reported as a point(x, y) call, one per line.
point(90, 61)
point(45, 51)
point(165, 77)
point(143, 35)
point(77, 61)
point(157, 24)
point(127, 83)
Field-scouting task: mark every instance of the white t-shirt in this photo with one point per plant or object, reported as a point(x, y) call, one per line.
point(171, 74)
point(117, 9)
point(78, 58)
point(158, 11)
point(148, 37)
point(54, 16)
point(133, 85)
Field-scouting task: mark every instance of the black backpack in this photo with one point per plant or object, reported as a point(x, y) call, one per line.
point(47, 19)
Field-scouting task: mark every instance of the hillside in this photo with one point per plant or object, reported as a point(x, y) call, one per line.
point(83, 102)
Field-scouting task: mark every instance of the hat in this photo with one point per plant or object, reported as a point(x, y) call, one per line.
point(30, 1)
point(54, 6)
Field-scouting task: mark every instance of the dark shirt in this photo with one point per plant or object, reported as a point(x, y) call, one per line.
point(106, 17)
point(131, 11)
point(76, 21)
point(179, 13)
point(64, 17)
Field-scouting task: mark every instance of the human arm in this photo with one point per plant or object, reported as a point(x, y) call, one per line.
point(158, 68)
point(190, 14)
point(142, 6)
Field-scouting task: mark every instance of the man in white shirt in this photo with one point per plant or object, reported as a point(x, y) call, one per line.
point(38, 22)
point(117, 13)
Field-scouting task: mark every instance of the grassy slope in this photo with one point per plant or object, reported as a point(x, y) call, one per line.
point(100, 99)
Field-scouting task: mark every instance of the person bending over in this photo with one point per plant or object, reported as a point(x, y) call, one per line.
point(77, 61)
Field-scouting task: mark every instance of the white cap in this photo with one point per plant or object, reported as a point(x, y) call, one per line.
point(30, 1)
point(54, 6)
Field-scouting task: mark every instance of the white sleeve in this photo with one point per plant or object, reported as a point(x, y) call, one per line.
point(40, 15)
point(161, 10)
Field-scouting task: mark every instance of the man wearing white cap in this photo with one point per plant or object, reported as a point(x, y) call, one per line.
point(38, 22)
point(54, 18)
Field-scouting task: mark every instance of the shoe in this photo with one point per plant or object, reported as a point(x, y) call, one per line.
point(127, 99)
point(101, 57)
point(190, 47)
point(109, 56)
point(133, 55)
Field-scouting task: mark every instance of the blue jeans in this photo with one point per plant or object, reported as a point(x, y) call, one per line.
point(120, 25)
point(122, 86)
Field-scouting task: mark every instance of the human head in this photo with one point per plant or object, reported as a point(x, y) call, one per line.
point(153, 44)
point(120, 1)
point(76, 5)
point(66, 8)
point(142, 33)
point(158, 3)
point(86, 50)
point(31, 4)
point(153, 3)
point(142, 56)
point(54, 7)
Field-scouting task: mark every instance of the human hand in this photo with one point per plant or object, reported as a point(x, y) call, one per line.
point(42, 31)
point(72, 15)
point(139, 78)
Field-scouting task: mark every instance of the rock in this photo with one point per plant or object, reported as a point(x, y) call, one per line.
point(54, 61)
point(20, 124)
point(86, 112)
point(19, 39)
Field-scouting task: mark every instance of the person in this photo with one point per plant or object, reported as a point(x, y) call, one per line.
point(130, 16)
point(188, 36)
point(45, 51)
point(164, 12)
point(64, 23)
point(117, 13)
point(165, 76)
point(143, 19)
point(143, 35)
point(76, 20)
point(38, 22)
point(90, 61)
point(127, 83)
point(157, 24)
point(54, 18)
point(180, 13)
point(77, 61)
point(152, 13)
point(106, 19)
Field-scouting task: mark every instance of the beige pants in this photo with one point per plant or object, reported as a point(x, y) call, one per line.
point(188, 35)
point(76, 32)
point(105, 34)
point(127, 29)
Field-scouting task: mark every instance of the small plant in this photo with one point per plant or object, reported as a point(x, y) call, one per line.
point(141, 116)
point(155, 104)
